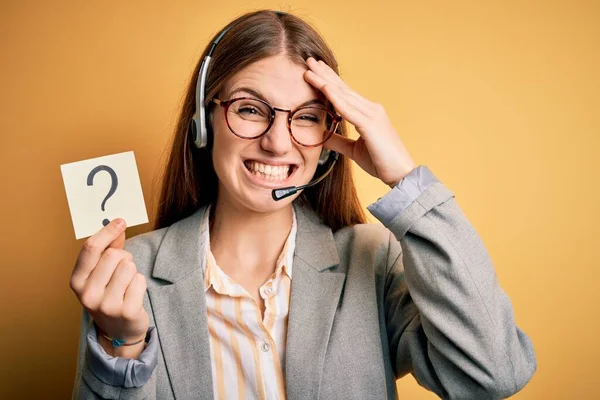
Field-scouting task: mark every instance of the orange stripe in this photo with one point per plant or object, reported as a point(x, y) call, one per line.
point(220, 373)
point(214, 341)
point(280, 381)
point(217, 360)
point(286, 292)
point(237, 356)
point(285, 285)
point(272, 312)
point(252, 341)
point(275, 357)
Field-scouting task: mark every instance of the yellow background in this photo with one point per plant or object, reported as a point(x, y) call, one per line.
point(501, 99)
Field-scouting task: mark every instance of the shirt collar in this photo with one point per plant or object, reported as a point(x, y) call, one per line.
point(211, 275)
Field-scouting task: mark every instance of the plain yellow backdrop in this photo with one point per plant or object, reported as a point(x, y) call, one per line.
point(501, 99)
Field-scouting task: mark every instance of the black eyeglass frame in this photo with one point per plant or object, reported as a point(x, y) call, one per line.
point(336, 119)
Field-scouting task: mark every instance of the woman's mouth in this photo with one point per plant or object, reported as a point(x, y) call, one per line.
point(270, 173)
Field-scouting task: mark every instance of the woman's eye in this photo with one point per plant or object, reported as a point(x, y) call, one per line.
point(248, 110)
point(308, 117)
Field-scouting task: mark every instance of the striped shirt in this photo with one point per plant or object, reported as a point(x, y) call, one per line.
point(247, 349)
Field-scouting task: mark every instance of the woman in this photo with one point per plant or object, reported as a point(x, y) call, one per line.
point(237, 295)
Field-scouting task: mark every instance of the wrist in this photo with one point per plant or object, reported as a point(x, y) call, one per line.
point(132, 351)
point(116, 347)
point(402, 176)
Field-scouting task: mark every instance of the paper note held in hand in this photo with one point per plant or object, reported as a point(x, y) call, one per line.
point(102, 189)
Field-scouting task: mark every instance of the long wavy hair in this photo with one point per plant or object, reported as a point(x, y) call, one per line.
point(189, 180)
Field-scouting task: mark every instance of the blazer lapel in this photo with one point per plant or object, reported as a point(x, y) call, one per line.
point(179, 308)
point(314, 299)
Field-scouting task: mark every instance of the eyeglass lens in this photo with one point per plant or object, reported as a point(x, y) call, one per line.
point(250, 118)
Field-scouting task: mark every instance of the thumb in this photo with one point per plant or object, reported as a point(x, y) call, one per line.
point(340, 144)
point(119, 242)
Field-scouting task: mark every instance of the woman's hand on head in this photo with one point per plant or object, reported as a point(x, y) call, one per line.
point(107, 284)
point(378, 150)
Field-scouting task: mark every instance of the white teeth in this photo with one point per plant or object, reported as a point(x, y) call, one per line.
point(268, 172)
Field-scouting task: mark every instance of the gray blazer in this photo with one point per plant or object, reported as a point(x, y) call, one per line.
point(369, 304)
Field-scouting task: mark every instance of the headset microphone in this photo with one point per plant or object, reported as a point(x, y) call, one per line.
point(282, 193)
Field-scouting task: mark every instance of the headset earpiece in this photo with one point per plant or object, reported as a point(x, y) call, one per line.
point(324, 157)
point(209, 132)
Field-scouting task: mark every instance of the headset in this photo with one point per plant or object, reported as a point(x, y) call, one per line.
point(199, 127)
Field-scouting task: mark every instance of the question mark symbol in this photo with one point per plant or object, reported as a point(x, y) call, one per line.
point(113, 185)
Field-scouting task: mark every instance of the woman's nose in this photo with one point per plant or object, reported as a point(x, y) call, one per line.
point(277, 140)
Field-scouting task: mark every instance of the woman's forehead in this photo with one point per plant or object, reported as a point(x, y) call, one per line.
point(279, 80)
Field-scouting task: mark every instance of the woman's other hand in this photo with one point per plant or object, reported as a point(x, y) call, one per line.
point(378, 150)
point(108, 285)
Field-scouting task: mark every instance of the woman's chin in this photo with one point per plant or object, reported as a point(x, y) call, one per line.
point(261, 200)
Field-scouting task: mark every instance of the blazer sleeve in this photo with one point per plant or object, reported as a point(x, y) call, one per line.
point(448, 321)
point(97, 372)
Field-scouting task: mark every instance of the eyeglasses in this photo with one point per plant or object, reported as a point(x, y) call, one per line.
point(250, 118)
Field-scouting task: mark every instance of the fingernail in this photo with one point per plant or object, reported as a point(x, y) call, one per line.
point(120, 222)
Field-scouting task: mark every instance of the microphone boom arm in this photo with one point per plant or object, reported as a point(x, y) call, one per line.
point(282, 193)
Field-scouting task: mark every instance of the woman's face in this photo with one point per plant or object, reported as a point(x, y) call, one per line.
point(279, 82)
